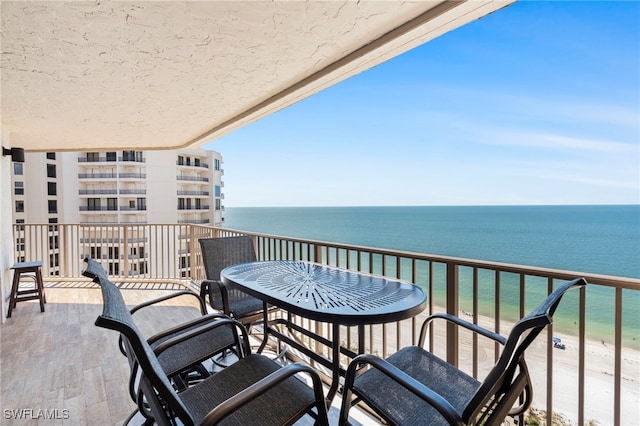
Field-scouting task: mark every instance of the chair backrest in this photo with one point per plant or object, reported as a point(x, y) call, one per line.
point(502, 386)
point(116, 316)
point(218, 253)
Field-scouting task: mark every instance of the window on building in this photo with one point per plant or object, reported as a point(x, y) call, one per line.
point(96, 252)
point(218, 204)
point(51, 170)
point(188, 161)
point(188, 203)
point(217, 191)
point(198, 203)
point(142, 203)
point(131, 155)
point(93, 156)
point(52, 188)
point(112, 204)
point(53, 220)
point(196, 162)
point(180, 160)
point(17, 169)
point(114, 268)
point(19, 206)
point(53, 242)
point(114, 252)
point(180, 203)
point(53, 206)
point(93, 203)
point(51, 155)
point(216, 164)
point(18, 188)
point(20, 244)
point(54, 260)
point(111, 156)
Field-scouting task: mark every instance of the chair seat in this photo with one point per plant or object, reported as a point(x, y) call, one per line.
point(284, 402)
point(193, 351)
point(403, 407)
point(242, 305)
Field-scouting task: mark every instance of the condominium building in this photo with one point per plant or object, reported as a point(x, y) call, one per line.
point(122, 188)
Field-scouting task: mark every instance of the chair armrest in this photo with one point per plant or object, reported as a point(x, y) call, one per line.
point(207, 286)
point(186, 325)
point(459, 321)
point(203, 308)
point(260, 387)
point(215, 321)
point(403, 379)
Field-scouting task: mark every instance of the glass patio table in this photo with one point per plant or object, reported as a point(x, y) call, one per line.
point(327, 294)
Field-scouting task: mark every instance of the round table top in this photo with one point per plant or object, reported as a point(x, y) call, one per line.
point(327, 294)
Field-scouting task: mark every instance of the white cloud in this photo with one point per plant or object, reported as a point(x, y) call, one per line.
point(555, 141)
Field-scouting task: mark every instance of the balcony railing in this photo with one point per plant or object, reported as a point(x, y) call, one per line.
point(590, 379)
point(193, 178)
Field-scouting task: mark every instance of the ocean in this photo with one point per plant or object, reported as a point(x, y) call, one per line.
point(603, 239)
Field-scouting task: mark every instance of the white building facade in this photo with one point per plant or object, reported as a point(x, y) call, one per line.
point(117, 188)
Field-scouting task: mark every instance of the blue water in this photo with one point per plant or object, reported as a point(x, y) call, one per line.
point(593, 239)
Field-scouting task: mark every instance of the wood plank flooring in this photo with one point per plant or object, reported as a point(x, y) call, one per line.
point(58, 368)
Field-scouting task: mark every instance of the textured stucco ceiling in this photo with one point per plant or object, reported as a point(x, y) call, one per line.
point(146, 74)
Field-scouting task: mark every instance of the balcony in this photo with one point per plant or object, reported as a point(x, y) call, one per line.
point(588, 380)
point(97, 175)
point(193, 178)
point(133, 175)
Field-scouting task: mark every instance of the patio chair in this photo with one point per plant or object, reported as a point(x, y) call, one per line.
point(217, 254)
point(253, 391)
point(414, 386)
point(184, 364)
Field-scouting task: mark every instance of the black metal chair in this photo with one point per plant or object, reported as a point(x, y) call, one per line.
point(414, 386)
point(182, 364)
point(217, 254)
point(253, 391)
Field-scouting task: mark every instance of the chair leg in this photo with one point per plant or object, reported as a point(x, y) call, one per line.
point(40, 287)
point(347, 394)
point(14, 292)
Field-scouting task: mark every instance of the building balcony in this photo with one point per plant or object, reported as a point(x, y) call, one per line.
point(96, 159)
point(194, 193)
point(98, 208)
point(193, 178)
point(192, 164)
point(132, 209)
point(97, 192)
point(97, 175)
point(193, 208)
point(593, 378)
point(141, 191)
point(132, 175)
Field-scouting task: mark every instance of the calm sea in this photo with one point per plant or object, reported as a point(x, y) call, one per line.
point(595, 239)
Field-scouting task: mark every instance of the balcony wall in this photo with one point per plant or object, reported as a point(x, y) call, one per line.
point(594, 377)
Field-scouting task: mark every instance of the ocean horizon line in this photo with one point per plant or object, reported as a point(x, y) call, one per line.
point(438, 205)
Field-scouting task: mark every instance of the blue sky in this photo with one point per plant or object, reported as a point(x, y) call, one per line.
point(538, 103)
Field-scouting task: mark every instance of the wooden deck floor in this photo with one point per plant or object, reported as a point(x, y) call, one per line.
point(58, 368)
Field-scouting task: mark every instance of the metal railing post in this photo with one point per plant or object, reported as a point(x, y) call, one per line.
point(193, 270)
point(453, 309)
point(125, 230)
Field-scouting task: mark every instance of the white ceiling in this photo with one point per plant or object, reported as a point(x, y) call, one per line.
point(160, 75)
